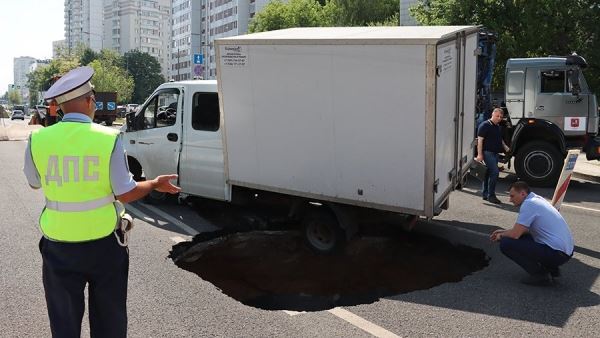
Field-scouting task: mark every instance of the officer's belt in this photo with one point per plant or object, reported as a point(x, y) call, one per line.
point(79, 206)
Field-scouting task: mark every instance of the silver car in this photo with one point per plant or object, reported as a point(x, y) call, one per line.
point(17, 114)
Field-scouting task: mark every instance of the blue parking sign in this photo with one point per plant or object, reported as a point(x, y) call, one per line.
point(99, 105)
point(111, 106)
point(198, 59)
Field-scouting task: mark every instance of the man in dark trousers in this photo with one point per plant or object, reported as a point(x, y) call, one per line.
point(489, 145)
point(540, 241)
point(82, 170)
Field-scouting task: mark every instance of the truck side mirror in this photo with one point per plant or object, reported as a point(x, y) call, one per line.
point(129, 120)
point(574, 80)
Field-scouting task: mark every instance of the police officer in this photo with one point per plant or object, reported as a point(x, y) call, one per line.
point(82, 170)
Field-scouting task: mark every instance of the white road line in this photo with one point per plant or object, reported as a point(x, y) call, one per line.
point(362, 323)
point(178, 239)
point(164, 215)
point(294, 313)
point(578, 207)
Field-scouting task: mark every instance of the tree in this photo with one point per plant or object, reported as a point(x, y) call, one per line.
point(362, 13)
point(295, 13)
point(111, 78)
point(87, 56)
point(525, 28)
point(146, 73)
point(14, 97)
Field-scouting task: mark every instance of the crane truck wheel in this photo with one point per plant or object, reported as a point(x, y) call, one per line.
point(539, 163)
point(322, 232)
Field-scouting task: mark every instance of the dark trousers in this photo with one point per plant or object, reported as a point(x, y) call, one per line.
point(491, 175)
point(535, 258)
point(67, 267)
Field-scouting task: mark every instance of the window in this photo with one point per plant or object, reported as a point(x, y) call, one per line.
point(515, 82)
point(553, 81)
point(205, 111)
point(161, 111)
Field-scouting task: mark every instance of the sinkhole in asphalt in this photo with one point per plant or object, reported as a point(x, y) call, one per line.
point(274, 270)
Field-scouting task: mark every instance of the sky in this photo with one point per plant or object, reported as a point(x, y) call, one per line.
point(27, 28)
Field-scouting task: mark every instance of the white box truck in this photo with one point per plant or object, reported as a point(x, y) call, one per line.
point(335, 121)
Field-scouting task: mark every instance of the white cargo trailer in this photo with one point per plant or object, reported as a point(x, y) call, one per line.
point(333, 123)
point(377, 117)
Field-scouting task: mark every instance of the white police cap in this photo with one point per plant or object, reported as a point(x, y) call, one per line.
point(71, 86)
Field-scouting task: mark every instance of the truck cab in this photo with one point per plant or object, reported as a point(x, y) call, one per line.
point(178, 130)
point(550, 109)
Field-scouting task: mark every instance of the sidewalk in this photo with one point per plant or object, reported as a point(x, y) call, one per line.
point(16, 132)
point(587, 170)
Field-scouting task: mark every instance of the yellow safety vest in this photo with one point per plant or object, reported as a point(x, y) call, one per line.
point(73, 161)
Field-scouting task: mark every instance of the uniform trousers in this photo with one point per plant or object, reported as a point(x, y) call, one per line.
point(67, 267)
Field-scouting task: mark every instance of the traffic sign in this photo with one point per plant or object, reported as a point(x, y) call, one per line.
point(111, 106)
point(198, 59)
point(99, 105)
point(198, 70)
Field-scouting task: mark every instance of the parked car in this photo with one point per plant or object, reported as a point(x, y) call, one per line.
point(17, 114)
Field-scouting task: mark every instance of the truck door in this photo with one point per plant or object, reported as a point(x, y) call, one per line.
point(202, 170)
point(158, 143)
point(557, 104)
point(446, 120)
point(515, 93)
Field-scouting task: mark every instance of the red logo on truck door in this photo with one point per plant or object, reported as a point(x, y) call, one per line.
point(574, 123)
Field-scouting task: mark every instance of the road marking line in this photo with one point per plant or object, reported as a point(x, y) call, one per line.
point(362, 323)
point(578, 207)
point(455, 227)
point(166, 216)
point(294, 313)
point(178, 239)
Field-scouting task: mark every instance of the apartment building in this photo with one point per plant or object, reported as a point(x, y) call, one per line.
point(21, 67)
point(144, 25)
point(83, 24)
point(223, 18)
point(405, 18)
point(186, 39)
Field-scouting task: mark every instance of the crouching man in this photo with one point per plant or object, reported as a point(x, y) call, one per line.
point(540, 241)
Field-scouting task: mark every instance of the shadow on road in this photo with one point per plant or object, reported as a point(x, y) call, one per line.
point(498, 292)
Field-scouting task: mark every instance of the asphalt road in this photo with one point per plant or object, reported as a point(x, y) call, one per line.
point(165, 301)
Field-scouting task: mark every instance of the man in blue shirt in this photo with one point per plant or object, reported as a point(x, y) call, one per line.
point(540, 241)
point(489, 145)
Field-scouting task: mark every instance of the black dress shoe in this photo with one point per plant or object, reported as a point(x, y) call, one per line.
point(484, 198)
point(494, 199)
point(537, 280)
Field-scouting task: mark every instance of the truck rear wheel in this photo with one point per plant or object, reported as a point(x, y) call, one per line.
point(539, 164)
point(322, 232)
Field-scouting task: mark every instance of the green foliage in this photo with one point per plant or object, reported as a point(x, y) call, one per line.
point(325, 13)
point(33, 97)
point(14, 97)
point(526, 28)
point(362, 13)
point(111, 78)
point(146, 73)
point(295, 13)
point(88, 56)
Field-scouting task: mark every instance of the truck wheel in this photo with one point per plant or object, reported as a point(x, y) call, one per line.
point(108, 123)
point(322, 232)
point(539, 164)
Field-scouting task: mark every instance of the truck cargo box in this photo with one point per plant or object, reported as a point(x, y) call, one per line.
point(379, 117)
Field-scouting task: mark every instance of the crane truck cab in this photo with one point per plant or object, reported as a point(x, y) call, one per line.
point(550, 109)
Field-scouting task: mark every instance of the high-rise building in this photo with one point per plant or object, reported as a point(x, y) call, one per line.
point(83, 24)
point(21, 67)
point(143, 25)
point(186, 39)
point(405, 18)
point(223, 18)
